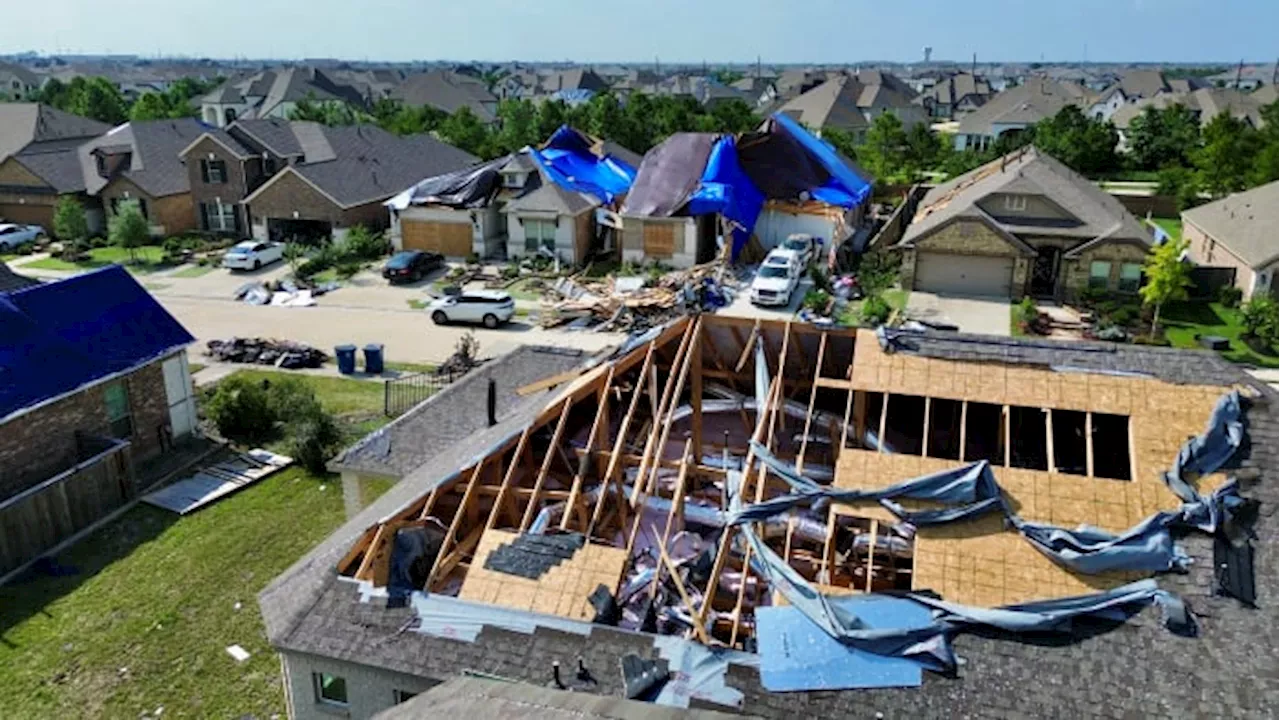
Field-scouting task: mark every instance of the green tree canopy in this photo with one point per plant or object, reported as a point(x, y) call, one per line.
point(464, 130)
point(1161, 137)
point(884, 152)
point(1084, 144)
point(1225, 161)
point(69, 221)
point(1168, 277)
point(128, 229)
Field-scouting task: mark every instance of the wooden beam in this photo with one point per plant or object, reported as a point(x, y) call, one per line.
point(964, 425)
point(884, 422)
point(451, 561)
point(747, 346)
point(699, 615)
point(361, 545)
point(695, 395)
point(532, 508)
point(742, 591)
point(833, 383)
point(924, 440)
point(667, 399)
point(618, 442)
point(1088, 444)
point(516, 459)
point(871, 551)
point(365, 571)
point(1007, 418)
point(813, 396)
point(1048, 441)
point(548, 383)
point(602, 414)
point(468, 497)
point(676, 511)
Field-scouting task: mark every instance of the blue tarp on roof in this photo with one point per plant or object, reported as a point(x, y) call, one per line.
point(58, 336)
point(844, 188)
point(571, 162)
point(726, 189)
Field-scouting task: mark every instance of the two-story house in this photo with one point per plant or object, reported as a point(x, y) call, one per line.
point(1024, 224)
point(274, 94)
point(1139, 85)
point(139, 161)
point(279, 179)
point(39, 165)
point(17, 82)
point(955, 95)
point(1014, 110)
point(852, 102)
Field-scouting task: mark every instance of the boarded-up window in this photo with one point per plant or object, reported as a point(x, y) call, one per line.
point(659, 239)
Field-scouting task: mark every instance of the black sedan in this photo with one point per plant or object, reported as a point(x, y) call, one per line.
point(411, 265)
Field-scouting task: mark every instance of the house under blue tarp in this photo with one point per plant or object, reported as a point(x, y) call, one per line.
point(780, 161)
point(576, 162)
point(59, 336)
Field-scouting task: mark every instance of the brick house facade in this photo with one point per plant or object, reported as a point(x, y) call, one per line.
point(24, 197)
point(289, 196)
point(211, 188)
point(167, 215)
point(42, 442)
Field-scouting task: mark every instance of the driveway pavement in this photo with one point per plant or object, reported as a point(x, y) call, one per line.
point(986, 315)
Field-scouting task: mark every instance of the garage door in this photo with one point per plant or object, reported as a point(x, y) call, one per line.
point(952, 274)
point(448, 239)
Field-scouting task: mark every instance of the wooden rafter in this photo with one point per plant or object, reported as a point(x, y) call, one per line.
point(516, 458)
point(813, 396)
point(654, 430)
point(611, 470)
point(532, 508)
point(468, 498)
point(597, 429)
point(676, 512)
point(747, 345)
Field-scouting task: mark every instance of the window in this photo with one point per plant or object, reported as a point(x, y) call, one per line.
point(218, 216)
point(117, 202)
point(400, 696)
point(1099, 274)
point(330, 689)
point(119, 416)
point(1015, 203)
point(539, 234)
point(1130, 277)
point(513, 180)
point(213, 172)
point(268, 165)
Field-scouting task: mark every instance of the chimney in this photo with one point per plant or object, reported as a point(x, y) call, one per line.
point(493, 402)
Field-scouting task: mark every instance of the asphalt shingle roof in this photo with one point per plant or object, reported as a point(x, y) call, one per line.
point(1039, 98)
point(153, 145)
point(22, 124)
point(1133, 670)
point(447, 91)
point(56, 162)
point(1246, 223)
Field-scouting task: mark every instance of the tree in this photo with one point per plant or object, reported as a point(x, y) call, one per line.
point(924, 150)
point(96, 98)
point(551, 115)
point(518, 119)
point(150, 106)
point(1259, 317)
point(1179, 183)
point(1161, 137)
point(1225, 160)
point(464, 130)
point(1083, 144)
point(884, 151)
point(1266, 163)
point(128, 229)
point(69, 223)
point(1168, 277)
point(328, 112)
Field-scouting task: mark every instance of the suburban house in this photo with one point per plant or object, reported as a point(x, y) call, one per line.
point(529, 499)
point(517, 205)
point(851, 102)
point(1205, 103)
point(39, 164)
point(760, 89)
point(1239, 232)
point(1024, 224)
point(1014, 110)
point(1247, 78)
point(955, 95)
point(315, 182)
point(274, 94)
point(446, 91)
point(17, 83)
point(695, 192)
point(95, 382)
point(1264, 95)
point(140, 161)
point(1137, 85)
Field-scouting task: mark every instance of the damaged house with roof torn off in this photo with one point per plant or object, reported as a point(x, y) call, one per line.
point(770, 518)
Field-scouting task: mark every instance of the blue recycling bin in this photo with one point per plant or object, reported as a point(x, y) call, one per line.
point(346, 355)
point(373, 358)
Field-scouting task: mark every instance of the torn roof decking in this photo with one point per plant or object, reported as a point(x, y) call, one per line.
point(977, 562)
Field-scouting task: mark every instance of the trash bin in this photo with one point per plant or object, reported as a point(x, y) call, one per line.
point(373, 359)
point(346, 355)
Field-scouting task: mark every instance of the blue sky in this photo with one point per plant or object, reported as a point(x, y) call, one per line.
point(826, 31)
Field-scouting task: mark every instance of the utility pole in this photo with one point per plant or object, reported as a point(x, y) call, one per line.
point(758, 73)
point(1239, 72)
point(973, 69)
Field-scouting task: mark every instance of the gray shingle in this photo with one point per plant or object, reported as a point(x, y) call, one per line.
point(1246, 223)
point(155, 165)
point(22, 124)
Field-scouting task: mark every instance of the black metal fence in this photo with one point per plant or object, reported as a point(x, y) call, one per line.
point(402, 393)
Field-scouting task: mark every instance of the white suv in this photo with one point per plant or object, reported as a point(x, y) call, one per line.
point(490, 307)
point(776, 279)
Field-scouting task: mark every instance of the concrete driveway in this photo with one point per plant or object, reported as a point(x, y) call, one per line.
point(985, 315)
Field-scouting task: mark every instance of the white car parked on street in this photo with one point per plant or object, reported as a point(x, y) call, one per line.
point(776, 280)
point(12, 235)
point(252, 254)
point(490, 307)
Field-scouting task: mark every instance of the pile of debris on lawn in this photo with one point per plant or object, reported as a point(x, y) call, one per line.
point(289, 292)
point(284, 354)
point(636, 303)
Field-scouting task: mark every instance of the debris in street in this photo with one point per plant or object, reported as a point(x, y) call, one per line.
point(266, 351)
point(620, 304)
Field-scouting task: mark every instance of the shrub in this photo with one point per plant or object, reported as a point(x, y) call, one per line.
point(241, 410)
point(99, 242)
point(1230, 295)
point(1124, 315)
point(1146, 339)
point(69, 222)
point(875, 311)
point(25, 248)
point(1259, 317)
point(878, 271)
point(1027, 311)
point(362, 244)
point(1091, 297)
point(510, 272)
point(313, 438)
point(817, 300)
point(821, 280)
point(347, 268)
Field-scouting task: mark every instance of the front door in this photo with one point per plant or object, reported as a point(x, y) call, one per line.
point(1044, 274)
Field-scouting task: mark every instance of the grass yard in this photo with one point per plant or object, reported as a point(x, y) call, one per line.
point(409, 367)
point(149, 257)
point(194, 368)
point(851, 315)
point(1172, 226)
point(194, 271)
point(145, 623)
point(1184, 321)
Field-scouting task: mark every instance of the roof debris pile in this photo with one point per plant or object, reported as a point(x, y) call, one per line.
point(635, 303)
point(285, 354)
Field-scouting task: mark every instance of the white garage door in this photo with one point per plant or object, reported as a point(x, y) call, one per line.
point(952, 274)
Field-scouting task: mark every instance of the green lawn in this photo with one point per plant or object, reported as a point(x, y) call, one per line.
point(1184, 321)
point(418, 304)
point(339, 396)
point(194, 271)
point(146, 621)
point(1172, 226)
point(149, 257)
point(409, 367)
point(194, 368)
point(851, 315)
point(523, 290)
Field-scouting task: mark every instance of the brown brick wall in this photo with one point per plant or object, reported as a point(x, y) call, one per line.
point(230, 192)
point(966, 237)
point(35, 446)
point(174, 214)
point(1075, 271)
point(1206, 251)
point(290, 193)
point(33, 208)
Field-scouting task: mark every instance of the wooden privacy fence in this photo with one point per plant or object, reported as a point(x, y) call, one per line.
point(36, 519)
point(402, 393)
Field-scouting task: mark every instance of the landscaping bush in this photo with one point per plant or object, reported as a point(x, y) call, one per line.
point(875, 311)
point(510, 272)
point(1259, 317)
point(1146, 339)
point(878, 271)
point(241, 410)
point(347, 268)
point(25, 248)
point(821, 280)
point(1230, 296)
point(817, 301)
point(1091, 297)
point(362, 244)
point(74, 250)
point(313, 438)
